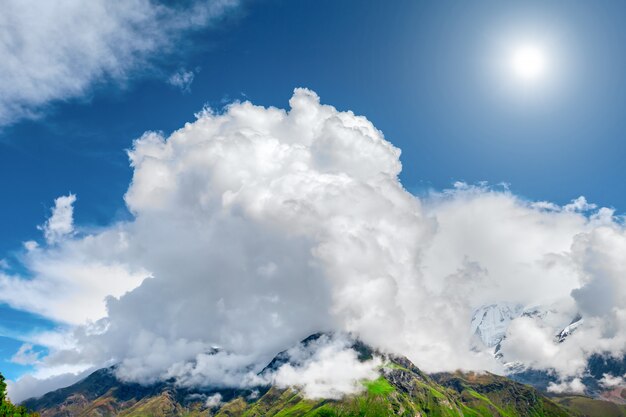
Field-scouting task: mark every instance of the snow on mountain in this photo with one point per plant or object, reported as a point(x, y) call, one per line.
point(569, 329)
point(490, 322)
point(489, 327)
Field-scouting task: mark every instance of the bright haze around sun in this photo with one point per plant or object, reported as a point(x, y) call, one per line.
point(529, 60)
point(526, 67)
point(529, 63)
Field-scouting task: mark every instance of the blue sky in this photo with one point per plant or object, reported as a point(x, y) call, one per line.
point(418, 70)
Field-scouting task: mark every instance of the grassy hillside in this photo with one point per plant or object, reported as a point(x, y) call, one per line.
point(495, 395)
point(588, 407)
point(403, 390)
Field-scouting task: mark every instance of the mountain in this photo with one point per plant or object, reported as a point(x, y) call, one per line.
point(589, 407)
point(569, 329)
point(489, 324)
point(103, 394)
point(401, 389)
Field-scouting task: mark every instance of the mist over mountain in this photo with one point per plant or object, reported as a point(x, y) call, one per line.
point(396, 387)
point(601, 374)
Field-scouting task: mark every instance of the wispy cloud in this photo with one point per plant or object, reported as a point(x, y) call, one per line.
point(26, 355)
point(55, 51)
point(182, 79)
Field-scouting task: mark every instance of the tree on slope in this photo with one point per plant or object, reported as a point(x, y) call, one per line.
point(7, 409)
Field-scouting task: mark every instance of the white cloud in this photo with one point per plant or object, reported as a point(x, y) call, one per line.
point(72, 279)
point(182, 79)
point(54, 51)
point(260, 221)
point(66, 291)
point(575, 386)
point(25, 355)
point(611, 381)
point(326, 368)
point(214, 400)
point(61, 222)
point(30, 245)
point(532, 341)
point(29, 386)
point(580, 204)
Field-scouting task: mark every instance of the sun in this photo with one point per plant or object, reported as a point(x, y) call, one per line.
point(529, 63)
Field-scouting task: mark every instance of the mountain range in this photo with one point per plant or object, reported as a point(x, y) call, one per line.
point(400, 389)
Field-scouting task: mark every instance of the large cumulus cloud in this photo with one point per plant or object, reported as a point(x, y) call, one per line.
point(255, 227)
point(286, 224)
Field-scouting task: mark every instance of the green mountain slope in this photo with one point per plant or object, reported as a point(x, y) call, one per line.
point(588, 407)
point(403, 390)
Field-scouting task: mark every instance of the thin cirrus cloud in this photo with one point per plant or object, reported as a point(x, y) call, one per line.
point(257, 221)
point(53, 52)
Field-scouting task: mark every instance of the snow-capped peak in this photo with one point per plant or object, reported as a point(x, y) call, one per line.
point(490, 322)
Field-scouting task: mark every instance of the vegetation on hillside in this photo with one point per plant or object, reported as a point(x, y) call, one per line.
point(589, 407)
point(403, 390)
point(7, 409)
